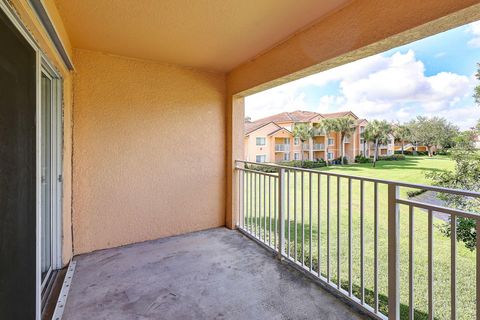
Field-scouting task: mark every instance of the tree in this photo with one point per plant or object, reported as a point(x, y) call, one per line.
point(401, 133)
point(377, 132)
point(346, 126)
point(476, 90)
point(326, 126)
point(432, 132)
point(477, 127)
point(303, 132)
point(466, 176)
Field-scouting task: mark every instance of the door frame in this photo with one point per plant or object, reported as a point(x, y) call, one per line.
point(44, 65)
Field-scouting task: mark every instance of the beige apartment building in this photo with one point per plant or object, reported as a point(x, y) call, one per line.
point(271, 139)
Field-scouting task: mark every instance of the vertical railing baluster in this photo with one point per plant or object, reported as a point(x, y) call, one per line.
point(411, 265)
point(350, 262)
point(477, 269)
point(281, 213)
point(249, 221)
point(430, 265)
point(259, 208)
point(453, 266)
point(319, 231)
point(338, 234)
point(393, 253)
point(310, 218)
point(295, 214)
point(265, 208)
point(288, 214)
point(270, 211)
point(255, 205)
point(303, 217)
point(362, 246)
point(275, 212)
point(328, 228)
point(375, 246)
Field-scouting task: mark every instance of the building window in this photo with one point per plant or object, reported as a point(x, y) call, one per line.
point(261, 158)
point(286, 141)
point(362, 129)
point(261, 141)
point(330, 156)
point(296, 156)
point(286, 157)
point(296, 141)
point(331, 141)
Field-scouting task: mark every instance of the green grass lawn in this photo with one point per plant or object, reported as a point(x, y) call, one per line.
point(410, 170)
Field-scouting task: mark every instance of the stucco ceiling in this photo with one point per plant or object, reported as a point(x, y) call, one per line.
point(216, 35)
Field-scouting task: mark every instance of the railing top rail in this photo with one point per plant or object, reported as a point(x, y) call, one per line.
point(341, 175)
point(427, 206)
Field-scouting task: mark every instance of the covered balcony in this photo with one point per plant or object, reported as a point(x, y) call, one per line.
point(105, 214)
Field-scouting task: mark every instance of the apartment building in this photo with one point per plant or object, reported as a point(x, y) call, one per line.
point(271, 139)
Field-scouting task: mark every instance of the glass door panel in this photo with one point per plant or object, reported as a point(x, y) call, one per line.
point(46, 177)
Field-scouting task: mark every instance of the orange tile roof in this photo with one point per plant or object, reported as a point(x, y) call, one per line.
point(295, 116)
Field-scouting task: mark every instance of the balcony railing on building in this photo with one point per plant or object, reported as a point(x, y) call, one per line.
point(315, 221)
point(282, 148)
point(318, 147)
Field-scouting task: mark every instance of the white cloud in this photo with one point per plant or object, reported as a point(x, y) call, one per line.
point(474, 29)
point(391, 88)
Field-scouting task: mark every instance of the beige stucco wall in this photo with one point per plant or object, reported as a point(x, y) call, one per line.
point(149, 150)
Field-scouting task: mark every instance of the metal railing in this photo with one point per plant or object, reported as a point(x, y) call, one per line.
point(318, 146)
point(282, 147)
point(316, 220)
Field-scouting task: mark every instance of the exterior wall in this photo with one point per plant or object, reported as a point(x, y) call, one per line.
point(30, 20)
point(141, 169)
point(251, 148)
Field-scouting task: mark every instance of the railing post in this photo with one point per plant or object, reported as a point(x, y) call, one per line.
point(281, 213)
point(393, 253)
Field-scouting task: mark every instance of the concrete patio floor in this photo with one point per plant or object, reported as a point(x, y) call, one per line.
point(212, 274)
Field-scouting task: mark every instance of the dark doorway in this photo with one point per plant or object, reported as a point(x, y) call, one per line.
point(17, 174)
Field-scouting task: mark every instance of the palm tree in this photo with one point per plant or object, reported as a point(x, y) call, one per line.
point(377, 132)
point(401, 133)
point(346, 126)
point(303, 132)
point(326, 126)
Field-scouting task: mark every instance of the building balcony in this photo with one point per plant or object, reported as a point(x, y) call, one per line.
point(212, 274)
point(282, 148)
point(318, 147)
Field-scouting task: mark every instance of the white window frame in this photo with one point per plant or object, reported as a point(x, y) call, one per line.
point(296, 141)
point(330, 156)
point(296, 156)
point(333, 141)
point(261, 155)
point(286, 156)
point(264, 141)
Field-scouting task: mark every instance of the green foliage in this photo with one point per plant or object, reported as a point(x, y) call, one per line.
point(466, 176)
point(433, 131)
point(378, 133)
point(261, 168)
point(476, 90)
point(465, 140)
point(307, 164)
point(394, 157)
point(362, 159)
point(346, 126)
point(415, 193)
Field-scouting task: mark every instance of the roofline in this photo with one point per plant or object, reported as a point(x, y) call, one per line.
point(273, 132)
point(263, 125)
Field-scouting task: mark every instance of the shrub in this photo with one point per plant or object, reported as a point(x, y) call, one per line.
point(262, 168)
point(394, 157)
point(415, 193)
point(307, 164)
point(362, 159)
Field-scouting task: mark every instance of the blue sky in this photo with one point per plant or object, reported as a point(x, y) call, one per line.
point(432, 76)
